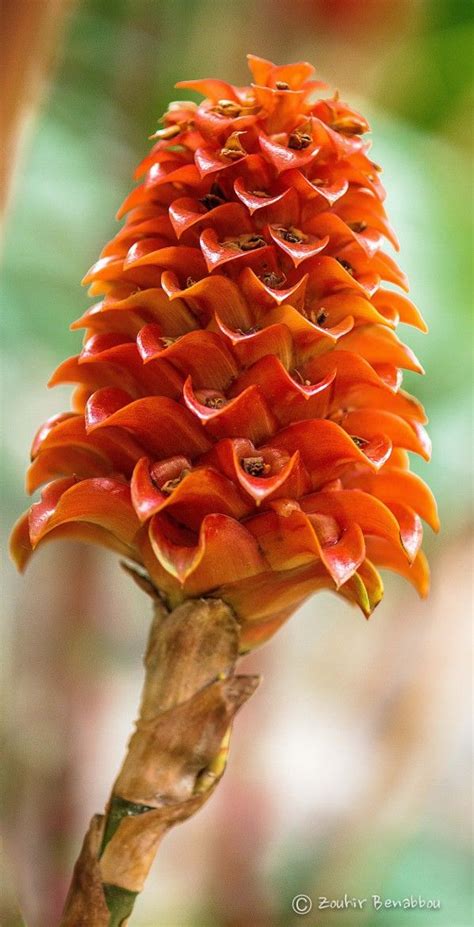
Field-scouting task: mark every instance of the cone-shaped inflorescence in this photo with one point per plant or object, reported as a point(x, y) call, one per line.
point(238, 426)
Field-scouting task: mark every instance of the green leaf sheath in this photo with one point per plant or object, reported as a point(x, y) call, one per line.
point(119, 808)
point(120, 903)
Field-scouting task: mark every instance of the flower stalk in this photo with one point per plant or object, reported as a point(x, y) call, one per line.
point(174, 760)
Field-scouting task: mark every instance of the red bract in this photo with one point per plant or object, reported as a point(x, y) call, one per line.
point(238, 426)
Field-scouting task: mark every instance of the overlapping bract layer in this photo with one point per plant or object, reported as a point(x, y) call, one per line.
point(238, 424)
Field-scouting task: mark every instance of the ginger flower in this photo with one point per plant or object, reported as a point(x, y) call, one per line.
point(238, 427)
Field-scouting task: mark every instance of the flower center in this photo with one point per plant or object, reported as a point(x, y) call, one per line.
point(346, 266)
point(170, 131)
point(299, 141)
point(255, 466)
point(214, 198)
point(359, 442)
point(319, 316)
point(273, 280)
point(301, 137)
point(171, 485)
point(246, 242)
point(248, 331)
point(291, 235)
point(298, 377)
point(357, 226)
point(167, 342)
point(233, 148)
point(215, 402)
point(347, 127)
point(227, 108)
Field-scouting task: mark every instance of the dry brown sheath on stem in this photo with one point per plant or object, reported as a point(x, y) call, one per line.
point(174, 760)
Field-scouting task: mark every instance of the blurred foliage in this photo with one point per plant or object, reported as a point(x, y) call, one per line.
point(419, 866)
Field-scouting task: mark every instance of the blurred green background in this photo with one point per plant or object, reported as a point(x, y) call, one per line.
point(350, 772)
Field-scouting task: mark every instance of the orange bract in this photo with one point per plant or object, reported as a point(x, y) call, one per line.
point(238, 426)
